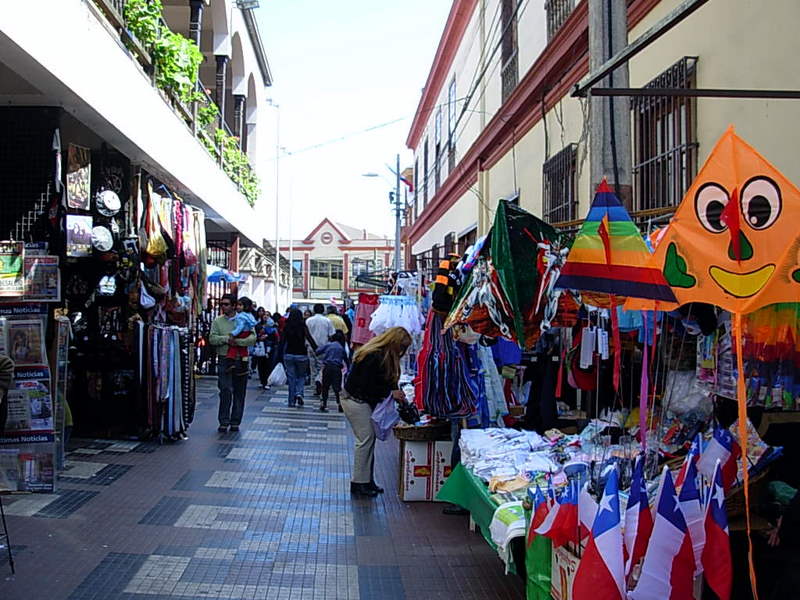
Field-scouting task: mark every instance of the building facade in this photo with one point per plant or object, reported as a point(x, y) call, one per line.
point(327, 262)
point(497, 118)
point(202, 139)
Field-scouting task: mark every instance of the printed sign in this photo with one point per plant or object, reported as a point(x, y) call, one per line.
point(12, 283)
point(79, 177)
point(79, 236)
point(42, 278)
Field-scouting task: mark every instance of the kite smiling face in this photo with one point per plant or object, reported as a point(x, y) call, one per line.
point(740, 223)
point(735, 238)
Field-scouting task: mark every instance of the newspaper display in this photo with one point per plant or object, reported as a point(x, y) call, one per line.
point(12, 282)
point(25, 342)
point(42, 278)
point(10, 470)
point(30, 407)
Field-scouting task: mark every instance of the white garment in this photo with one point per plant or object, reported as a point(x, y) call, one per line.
point(320, 328)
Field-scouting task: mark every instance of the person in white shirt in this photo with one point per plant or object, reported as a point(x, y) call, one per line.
point(321, 329)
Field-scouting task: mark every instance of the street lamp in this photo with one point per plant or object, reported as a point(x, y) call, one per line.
point(396, 201)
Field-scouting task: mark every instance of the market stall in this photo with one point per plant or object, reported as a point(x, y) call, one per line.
point(609, 402)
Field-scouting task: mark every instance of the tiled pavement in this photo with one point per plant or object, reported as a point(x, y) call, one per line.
point(265, 513)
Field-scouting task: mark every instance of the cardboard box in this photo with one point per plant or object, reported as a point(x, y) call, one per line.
point(424, 467)
point(564, 566)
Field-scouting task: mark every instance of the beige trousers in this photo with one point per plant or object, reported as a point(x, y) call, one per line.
point(360, 416)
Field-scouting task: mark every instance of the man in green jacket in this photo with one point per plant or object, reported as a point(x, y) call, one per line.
point(232, 385)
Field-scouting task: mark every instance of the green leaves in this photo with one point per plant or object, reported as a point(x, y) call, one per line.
point(177, 60)
point(142, 18)
point(237, 166)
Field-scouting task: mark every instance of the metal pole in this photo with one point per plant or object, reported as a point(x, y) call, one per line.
point(397, 213)
point(277, 202)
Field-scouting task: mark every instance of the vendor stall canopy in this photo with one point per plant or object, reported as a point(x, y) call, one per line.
point(734, 240)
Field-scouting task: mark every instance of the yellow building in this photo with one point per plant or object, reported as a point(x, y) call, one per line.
point(497, 119)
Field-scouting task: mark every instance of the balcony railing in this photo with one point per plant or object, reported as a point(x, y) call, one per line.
point(558, 11)
point(190, 113)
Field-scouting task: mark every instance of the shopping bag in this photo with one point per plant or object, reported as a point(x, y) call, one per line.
point(278, 375)
point(384, 417)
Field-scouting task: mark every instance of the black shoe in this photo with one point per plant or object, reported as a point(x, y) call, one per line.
point(222, 429)
point(362, 489)
point(374, 486)
point(454, 509)
point(340, 408)
point(317, 388)
point(300, 401)
point(234, 428)
point(323, 408)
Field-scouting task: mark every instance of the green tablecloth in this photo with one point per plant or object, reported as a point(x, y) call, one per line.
point(468, 491)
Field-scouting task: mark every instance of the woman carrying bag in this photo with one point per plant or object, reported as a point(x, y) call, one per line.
point(372, 378)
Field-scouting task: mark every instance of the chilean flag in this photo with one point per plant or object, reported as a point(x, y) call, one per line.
point(724, 448)
point(638, 518)
point(587, 511)
point(692, 457)
point(716, 556)
point(601, 571)
point(668, 570)
point(541, 507)
point(692, 508)
point(561, 522)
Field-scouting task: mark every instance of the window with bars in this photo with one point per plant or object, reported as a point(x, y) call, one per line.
point(451, 126)
point(558, 11)
point(416, 188)
point(425, 174)
point(559, 197)
point(326, 274)
point(467, 240)
point(509, 73)
point(664, 140)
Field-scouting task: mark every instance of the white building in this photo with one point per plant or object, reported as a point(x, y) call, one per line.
point(79, 56)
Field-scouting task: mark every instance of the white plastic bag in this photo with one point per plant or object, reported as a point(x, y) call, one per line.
point(278, 376)
point(384, 417)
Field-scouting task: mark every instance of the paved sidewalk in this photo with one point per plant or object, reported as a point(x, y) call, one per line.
point(264, 513)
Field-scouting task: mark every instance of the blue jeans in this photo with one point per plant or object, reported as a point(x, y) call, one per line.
point(296, 366)
point(232, 390)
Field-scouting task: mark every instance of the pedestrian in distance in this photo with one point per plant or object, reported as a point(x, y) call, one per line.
point(232, 386)
point(373, 377)
point(265, 349)
point(244, 324)
point(333, 356)
point(321, 330)
point(295, 358)
point(337, 320)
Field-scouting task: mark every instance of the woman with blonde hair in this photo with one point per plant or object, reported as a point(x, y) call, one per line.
point(372, 378)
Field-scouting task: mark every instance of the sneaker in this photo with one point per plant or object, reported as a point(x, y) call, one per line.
point(222, 429)
point(267, 388)
point(234, 428)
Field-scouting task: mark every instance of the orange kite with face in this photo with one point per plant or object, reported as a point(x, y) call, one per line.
point(735, 238)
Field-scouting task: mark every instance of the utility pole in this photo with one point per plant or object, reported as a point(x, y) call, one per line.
point(398, 214)
point(610, 129)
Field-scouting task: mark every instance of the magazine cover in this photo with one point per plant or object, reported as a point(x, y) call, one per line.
point(79, 236)
point(10, 473)
point(78, 177)
point(25, 342)
point(42, 278)
point(30, 407)
point(12, 282)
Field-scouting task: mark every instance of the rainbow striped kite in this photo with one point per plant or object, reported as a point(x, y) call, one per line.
point(608, 260)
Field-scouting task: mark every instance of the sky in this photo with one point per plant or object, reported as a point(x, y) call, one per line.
point(340, 68)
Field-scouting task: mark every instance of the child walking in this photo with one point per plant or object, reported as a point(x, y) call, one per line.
point(244, 322)
point(334, 357)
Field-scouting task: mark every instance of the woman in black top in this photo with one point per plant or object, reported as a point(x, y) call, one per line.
point(295, 356)
point(372, 378)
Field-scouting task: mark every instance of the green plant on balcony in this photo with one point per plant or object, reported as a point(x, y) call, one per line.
point(142, 18)
point(237, 166)
point(177, 60)
point(207, 113)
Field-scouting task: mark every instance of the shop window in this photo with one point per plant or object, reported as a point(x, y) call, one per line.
point(664, 140)
point(509, 73)
point(559, 197)
point(558, 11)
point(327, 274)
point(467, 240)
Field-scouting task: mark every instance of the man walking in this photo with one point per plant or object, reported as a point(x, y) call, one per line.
point(321, 329)
point(232, 383)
